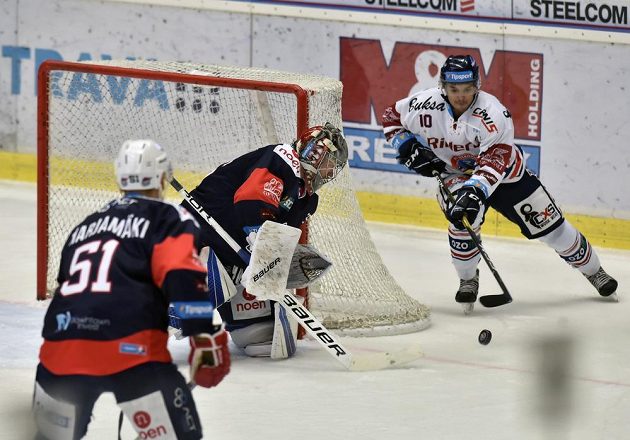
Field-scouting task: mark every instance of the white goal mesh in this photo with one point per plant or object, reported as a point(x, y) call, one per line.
point(204, 116)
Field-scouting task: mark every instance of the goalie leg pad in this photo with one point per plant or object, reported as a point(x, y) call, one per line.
point(254, 339)
point(285, 331)
point(276, 339)
point(220, 284)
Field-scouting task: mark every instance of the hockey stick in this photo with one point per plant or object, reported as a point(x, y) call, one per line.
point(328, 340)
point(487, 300)
point(373, 361)
point(212, 222)
point(266, 277)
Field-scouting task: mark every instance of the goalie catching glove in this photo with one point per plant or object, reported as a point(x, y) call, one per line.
point(307, 266)
point(209, 358)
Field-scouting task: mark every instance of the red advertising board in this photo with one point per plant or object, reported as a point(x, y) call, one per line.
point(371, 83)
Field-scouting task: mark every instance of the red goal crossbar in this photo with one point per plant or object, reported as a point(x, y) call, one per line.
point(45, 73)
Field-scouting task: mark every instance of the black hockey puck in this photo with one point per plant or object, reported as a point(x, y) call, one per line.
point(485, 336)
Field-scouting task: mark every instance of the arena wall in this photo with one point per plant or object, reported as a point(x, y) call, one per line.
point(562, 72)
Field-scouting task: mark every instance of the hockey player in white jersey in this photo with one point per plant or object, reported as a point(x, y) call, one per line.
point(467, 136)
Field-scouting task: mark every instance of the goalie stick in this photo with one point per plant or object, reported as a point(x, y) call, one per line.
point(266, 277)
point(327, 339)
point(212, 222)
point(487, 300)
point(307, 264)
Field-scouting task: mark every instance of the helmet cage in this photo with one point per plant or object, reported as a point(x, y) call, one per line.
point(323, 153)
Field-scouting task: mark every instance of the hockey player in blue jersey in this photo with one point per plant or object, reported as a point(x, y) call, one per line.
point(277, 183)
point(105, 329)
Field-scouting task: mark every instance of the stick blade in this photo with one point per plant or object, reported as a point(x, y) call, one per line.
point(382, 360)
point(495, 300)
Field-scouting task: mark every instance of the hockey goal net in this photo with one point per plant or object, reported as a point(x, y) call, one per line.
point(205, 115)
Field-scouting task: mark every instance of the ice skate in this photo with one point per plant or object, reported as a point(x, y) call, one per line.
point(605, 284)
point(467, 293)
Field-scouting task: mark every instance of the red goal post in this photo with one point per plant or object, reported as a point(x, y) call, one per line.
point(204, 115)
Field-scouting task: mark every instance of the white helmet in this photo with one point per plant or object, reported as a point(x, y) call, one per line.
point(141, 164)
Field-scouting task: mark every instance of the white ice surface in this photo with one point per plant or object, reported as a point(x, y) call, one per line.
point(459, 390)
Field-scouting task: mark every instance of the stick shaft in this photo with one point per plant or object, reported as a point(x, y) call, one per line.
point(212, 222)
point(475, 238)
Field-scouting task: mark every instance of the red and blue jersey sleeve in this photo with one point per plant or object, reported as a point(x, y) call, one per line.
point(176, 269)
point(120, 269)
point(272, 180)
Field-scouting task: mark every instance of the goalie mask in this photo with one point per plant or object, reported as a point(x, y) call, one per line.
point(140, 166)
point(323, 154)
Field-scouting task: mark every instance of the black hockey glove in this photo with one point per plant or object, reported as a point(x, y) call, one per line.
point(418, 158)
point(469, 201)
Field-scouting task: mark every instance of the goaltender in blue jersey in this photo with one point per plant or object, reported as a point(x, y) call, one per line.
point(275, 183)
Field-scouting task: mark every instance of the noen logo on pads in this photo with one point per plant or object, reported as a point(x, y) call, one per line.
point(459, 77)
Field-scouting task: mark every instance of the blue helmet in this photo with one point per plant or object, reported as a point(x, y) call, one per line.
point(459, 69)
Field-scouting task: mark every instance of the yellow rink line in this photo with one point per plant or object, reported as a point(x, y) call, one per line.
point(408, 210)
point(387, 208)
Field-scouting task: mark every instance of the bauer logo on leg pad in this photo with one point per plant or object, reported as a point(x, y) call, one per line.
point(538, 211)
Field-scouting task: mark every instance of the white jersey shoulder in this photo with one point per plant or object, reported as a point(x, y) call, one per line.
point(420, 111)
point(457, 142)
point(490, 121)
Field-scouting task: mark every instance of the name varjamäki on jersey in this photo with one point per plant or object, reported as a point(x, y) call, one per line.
point(129, 227)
